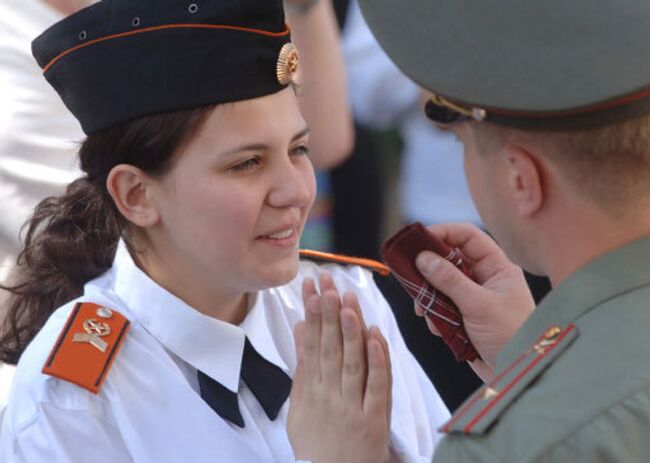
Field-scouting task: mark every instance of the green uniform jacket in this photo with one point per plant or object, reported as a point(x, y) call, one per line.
point(573, 385)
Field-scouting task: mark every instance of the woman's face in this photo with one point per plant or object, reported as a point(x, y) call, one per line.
point(235, 202)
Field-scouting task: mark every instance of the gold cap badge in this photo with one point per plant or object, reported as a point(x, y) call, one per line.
point(288, 63)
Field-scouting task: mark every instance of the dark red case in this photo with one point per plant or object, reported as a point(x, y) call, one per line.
point(399, 252)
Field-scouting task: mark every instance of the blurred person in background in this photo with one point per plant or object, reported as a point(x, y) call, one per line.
point(431, 182)
point(38, 135)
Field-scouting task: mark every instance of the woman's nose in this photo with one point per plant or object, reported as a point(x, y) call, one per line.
point(293, 185)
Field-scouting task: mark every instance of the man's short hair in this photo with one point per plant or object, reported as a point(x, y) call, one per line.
point(610, 164)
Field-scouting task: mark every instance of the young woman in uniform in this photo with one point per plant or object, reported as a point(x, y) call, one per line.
point(154, 307)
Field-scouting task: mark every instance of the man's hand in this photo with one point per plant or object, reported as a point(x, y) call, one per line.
point(495, 305)
point(340, 399)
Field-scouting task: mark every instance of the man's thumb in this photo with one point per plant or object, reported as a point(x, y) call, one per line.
point(447, 278)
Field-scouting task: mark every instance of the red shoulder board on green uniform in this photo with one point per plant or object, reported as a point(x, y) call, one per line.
point(85, 350)
point(373, 265)
point(485, 406)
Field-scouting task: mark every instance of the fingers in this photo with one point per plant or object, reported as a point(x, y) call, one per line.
point(354, 358)
point(311, 333)
point(419, 311)
point(476, 245)
point(431, 325)
point(482, 369)
point(446, 277)
point(331, 349)
point(299, 339)
point(374, 333)
point(299, 375)
point(376, 398)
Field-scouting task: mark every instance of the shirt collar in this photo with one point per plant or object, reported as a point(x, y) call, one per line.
point(258, 323)
point(606, 277)
point(210, 345)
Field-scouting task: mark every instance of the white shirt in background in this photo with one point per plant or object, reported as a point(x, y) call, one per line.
point(432, 183)
point(38, 135)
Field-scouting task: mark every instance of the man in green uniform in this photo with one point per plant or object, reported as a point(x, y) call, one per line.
point(551, 100)
point(552, 103)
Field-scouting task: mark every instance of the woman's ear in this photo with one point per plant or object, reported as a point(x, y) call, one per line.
point(525, 180)
point(130, 189)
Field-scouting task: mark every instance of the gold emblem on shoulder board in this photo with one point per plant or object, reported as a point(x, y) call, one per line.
point(489, 392)
point(288, 63)
point(94, 331)
point(103, 312)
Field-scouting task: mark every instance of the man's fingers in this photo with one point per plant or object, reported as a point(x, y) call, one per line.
point(354, 358)
point(473, 243)
point(432, 327)
point(482, 369)
point(311, 333)
point(478, 247)
point(419, 311)
point(446, 277)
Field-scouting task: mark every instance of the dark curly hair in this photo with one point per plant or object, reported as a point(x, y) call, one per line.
point(72, 238)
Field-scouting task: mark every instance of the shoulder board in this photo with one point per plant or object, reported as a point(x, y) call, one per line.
point(485, 406)
point(85, 350)
point(373, 265)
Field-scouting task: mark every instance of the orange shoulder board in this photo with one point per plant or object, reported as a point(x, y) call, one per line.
point(87, 346)
point(346, 260)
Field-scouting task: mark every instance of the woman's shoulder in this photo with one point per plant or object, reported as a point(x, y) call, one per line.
point(348, 276)
point(71, 354)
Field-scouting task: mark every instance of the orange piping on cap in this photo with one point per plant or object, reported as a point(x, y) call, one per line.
point(608, 104)
point(166, 26)
point(369, 263)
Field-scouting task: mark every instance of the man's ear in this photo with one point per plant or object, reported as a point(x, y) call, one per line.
point(525, 176)
point(129, 187)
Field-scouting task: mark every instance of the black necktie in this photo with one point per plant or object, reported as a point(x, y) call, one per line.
point(268, 383)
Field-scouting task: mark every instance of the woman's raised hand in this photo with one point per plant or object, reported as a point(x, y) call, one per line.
point(340, 400)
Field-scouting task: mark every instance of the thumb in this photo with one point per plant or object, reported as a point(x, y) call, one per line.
point(446, 277)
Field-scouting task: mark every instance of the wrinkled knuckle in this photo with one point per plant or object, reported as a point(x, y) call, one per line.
point(352, 368)
point(310, 348)
point(330, 353)
point(376, 387)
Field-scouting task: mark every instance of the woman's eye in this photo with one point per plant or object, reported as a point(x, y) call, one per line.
point(248, 164)
point(301, 150)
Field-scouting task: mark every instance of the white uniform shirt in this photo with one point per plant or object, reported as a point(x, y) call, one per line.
point(149, 408)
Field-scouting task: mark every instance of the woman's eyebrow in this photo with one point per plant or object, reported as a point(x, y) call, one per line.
point(301, 134)
point(261, 146)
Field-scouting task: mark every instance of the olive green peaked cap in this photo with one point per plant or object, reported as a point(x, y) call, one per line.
point(530, 63)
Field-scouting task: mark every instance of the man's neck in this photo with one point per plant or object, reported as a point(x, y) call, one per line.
point(573, 243)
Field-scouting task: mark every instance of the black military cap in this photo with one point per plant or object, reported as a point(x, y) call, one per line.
point(547, 64)
point(122, 59)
